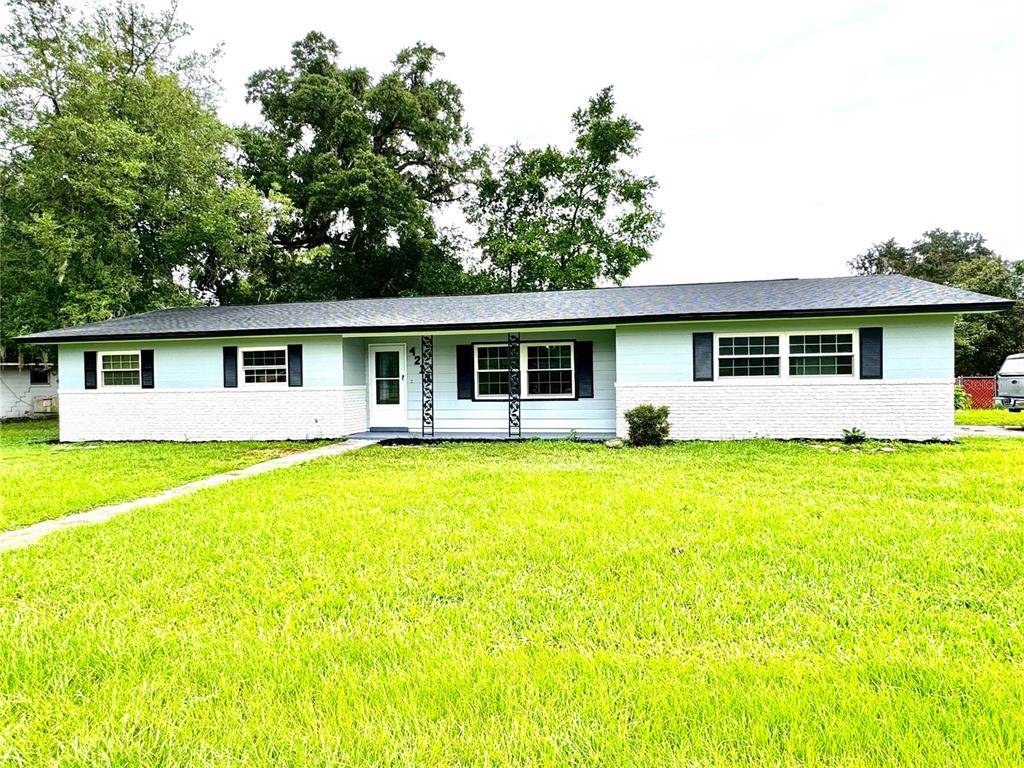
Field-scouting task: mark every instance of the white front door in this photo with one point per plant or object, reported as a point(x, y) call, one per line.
point(387, 387)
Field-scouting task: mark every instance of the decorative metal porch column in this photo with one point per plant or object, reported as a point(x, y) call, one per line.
point(515, 428)
point(427, 379)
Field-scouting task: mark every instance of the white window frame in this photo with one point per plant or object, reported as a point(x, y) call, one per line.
point(477, 370)
point(744, 335)
point(99, 368)
point(854, 354)
point(261, 385)
point(49, 375)
point(785, 354)
point(524, 373)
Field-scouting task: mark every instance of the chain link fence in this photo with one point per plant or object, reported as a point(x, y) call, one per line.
point(981, 389)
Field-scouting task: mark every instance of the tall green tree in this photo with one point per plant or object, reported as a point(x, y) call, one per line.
point(934, 256)
point(552, 219)
point(369, 163)
point(963, 260)
point(116, 190)
point(984, 341)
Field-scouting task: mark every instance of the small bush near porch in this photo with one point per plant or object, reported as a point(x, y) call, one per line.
point(537, 604)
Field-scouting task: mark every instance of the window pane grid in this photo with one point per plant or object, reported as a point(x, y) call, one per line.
point(492, 358)
point(549, 357)
point(121, 370)
point(821, 365)
point(742, 356)
point(821, 344)
point(549, 383)
point(262, 358)
point(264, 366)
point(549, 370)
point(120, 362)
point(120, 378)
point(492, 370)
point(821, 354)
point(493, 382)
point(752, 346)
point(265, 375)
point(748, 366)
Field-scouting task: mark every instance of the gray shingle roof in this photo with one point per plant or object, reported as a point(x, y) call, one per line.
point(873, 294)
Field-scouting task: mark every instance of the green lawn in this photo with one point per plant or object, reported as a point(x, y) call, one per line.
point(996, 417)
point(559, 604)
point(40, 479)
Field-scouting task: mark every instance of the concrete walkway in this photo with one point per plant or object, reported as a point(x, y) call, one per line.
point(964, 430)
point(24, 536)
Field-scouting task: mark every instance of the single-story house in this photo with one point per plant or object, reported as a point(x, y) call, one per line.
point(776, 358)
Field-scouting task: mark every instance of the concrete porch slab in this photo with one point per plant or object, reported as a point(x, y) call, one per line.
point(441, 436)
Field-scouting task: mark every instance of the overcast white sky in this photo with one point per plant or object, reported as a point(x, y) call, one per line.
point(786, 136)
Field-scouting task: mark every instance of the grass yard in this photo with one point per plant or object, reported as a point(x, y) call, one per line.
point(41, 480)
point(752, 603)
point(995, 417)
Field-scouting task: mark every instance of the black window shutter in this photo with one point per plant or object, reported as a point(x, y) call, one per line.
point(146, 357)
point(294, 365)
point(703, 357)
point(584, 352)
point(90, 370)
point(230, 366)
point(464, 370)
point(871, 353)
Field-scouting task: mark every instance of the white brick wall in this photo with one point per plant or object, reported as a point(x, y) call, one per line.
point(907, 410)
point(355, 410)
point(295, 413)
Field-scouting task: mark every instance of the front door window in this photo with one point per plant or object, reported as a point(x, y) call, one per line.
point(388, 377)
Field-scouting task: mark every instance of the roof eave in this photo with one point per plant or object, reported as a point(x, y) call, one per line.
point(994, 306)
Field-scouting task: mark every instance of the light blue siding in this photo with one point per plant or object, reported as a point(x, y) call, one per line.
point(199, 363)
point(355, 362)
point(653, 353)
point(917, 348)
point(71, 365)
point(913, 347)
point(595, 414)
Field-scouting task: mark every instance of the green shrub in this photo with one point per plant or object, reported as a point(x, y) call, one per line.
point(961, 400)
point(648, 424)
point(854, 436)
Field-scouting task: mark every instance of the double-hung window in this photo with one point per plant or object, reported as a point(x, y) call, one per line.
point(491, 361)
point(548, 370)
point(120, 369)
point(748, 356)
point(265, 366)
point(821, 354)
